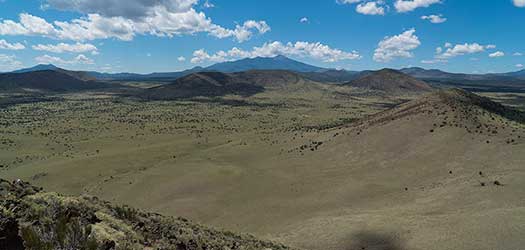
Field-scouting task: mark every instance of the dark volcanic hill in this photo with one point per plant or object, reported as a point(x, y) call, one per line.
point(46, 80)
point(390, 81)
point(213, 84)
point(453, 108)
point(270, 78)
point(33, 219)
point(207, 84)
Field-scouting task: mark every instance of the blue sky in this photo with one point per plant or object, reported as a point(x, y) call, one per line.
point(143, 36)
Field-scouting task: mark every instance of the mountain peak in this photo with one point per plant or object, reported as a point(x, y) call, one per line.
point(38, 67)
point(281, 57)
point(278, 62)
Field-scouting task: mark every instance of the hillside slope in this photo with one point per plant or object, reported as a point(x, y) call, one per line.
point(390, 81)
point(47, 80)
point(214, 84)
point(32, 219)
point(440, 172)
point(207, 84)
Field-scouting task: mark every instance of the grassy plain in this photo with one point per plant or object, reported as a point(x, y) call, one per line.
point(291, 166)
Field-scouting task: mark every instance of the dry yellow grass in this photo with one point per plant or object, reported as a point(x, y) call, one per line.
point(291, 166)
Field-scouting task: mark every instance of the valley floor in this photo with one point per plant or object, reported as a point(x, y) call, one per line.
point(297, 169)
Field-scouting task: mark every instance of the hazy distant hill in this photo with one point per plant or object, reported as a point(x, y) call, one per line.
point(144, 77)
point(39, 67)
point(264, 63)
point(258, 63)
point(310, 72)
point(389, 80)
point(421, 73)
point(518, 74)
point(46, 80)
point(332, 75)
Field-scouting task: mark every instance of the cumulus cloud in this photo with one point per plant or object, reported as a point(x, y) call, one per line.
point(519, 65)
point(207, 4)
point(130, 9)
point(397, 46)
point(64, 47)
point(11, 46)
point(434, 61)
point(347, 1)
point(519, 3)
point(497, 54)
point(241, 32)
point(461, 49)
point(435, 18)
point(181, 59)
point(304, 20)
point(316, 51)
point(124, 20)
point(9, 63)
point(371, 8)
point(80, 59)
point(518, 54)
point(410, 5)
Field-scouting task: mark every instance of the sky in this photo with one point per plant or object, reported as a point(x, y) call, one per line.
point(143, 36)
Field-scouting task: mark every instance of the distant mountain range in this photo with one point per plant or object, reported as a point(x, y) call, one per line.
point(438, 74)
point(310, 72)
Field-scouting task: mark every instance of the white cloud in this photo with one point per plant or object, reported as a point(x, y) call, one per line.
point(241, 32)
point(126, 19)
point(490, 46)
point(304, 20)
point(11, 46)
point(130, 9)
point(347, 1)
point(207, 4)
point(64, 47)
point(410, 5)
point(434, 61)
point(518, 54)
point(47, 59)
point(397, 46)
point(519, 65)
point(181, 59)
point(496, 54)
point(316, 51)
point(371, 8)
point(9, 63)
point(462, 49)
point(519, 3)
point(435, 18)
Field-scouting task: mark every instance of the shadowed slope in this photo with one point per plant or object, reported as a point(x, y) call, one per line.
point(47, 80)
point(207, 84)
point(214, 84)
point(455, 107)
point(390, 81)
